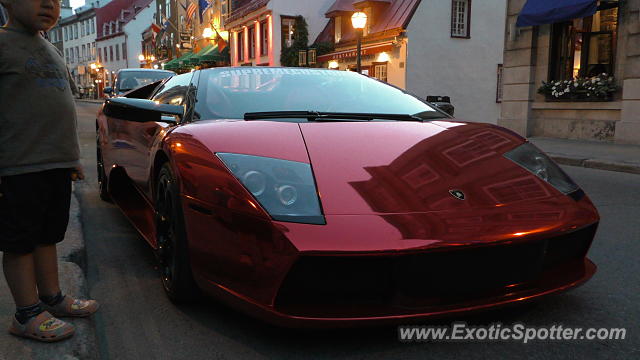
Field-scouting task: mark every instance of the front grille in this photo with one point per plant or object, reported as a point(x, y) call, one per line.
point(429, 278)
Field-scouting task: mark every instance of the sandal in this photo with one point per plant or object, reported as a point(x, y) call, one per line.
point(43, 327)
point(70, 307)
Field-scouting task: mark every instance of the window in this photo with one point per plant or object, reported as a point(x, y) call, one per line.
point(72, 57)
point(167, 7)
point(66, 55)
point(264, 38)
point(99, 55)
point(460, 18)
point(117, 52)
point(173, 91)
point(252, 42)
point(240, 45)
point(499, 84)
point(66, 33)
point(288, 31)
point(82, 29)
point(313, 58)
point(584, 47)
point(110, 53)
point(84, 52)
point(124, 51)
point(87, 25)
point(93, 25)
point(78, 53)
point(75, 30)
point(380, 71)
point(93, 51)
point(302, 58)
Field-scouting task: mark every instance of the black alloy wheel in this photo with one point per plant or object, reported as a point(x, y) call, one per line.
point(172, 251)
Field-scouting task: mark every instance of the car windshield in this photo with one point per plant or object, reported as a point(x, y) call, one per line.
point(128, 80)
point(231, 93)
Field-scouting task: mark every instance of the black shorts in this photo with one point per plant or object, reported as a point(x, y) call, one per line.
point(34, 209)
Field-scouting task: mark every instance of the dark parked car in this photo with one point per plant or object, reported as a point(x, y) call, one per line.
point(129, 79)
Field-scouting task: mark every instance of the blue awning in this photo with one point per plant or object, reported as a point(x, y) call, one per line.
point(539, 12)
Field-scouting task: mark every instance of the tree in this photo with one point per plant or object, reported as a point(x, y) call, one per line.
point(289, 55)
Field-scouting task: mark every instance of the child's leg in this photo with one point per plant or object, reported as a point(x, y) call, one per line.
point(46, 270)
point(19, 271)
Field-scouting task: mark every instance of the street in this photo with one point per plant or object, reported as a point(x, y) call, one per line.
point(138, 321)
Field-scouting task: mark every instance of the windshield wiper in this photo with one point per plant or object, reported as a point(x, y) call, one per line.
point(328, 116)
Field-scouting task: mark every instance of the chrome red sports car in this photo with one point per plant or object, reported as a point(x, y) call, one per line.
point(312, 197)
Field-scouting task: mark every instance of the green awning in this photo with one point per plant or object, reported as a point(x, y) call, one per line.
point(171, 64)
point(211, 55)
point(197, 58)
point(185, 60)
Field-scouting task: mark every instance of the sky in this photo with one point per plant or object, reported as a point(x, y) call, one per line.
point(76, 3)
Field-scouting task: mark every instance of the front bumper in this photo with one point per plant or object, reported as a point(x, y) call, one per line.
point(346, 290)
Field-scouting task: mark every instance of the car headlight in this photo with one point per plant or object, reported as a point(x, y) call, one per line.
point(285, 189)
point(538, 163)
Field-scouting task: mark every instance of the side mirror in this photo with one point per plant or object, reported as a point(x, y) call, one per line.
point(142, 110)
point(108, 90)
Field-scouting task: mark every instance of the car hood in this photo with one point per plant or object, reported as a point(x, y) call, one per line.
point(365, 168)
point(406, 167)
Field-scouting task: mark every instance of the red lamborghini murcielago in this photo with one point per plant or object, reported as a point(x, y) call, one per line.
point(313, 197)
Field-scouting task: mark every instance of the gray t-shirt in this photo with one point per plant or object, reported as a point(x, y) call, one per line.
point(38, 124)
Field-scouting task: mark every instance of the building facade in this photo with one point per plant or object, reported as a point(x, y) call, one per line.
point(260, 29)
point(120, 27)
point(78, 33)
point(448, 48)
point(574, 52)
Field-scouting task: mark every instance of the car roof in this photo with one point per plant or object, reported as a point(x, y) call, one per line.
point(143, 69)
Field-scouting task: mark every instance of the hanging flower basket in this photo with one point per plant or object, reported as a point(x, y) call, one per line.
point(596, 88)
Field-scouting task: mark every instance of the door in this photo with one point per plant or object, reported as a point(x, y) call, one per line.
point(135, 139)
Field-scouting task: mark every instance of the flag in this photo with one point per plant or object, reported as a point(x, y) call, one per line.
point(191, 12)
point(155, 28)
point(164, 26)
point(220, 41)
point(204, 5)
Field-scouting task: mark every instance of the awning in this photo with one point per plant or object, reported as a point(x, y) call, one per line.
point(209, 54)
point(539, 12)
point(171, 64)
point(351, 53)
point(185, 60)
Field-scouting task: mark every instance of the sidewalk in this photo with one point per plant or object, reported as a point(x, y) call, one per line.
point(71, 255)
point(93, 101)
point(592, 154)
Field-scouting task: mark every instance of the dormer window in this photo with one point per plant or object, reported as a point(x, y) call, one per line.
point(338, 28)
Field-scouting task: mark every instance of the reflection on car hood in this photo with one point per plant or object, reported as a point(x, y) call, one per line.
point(402, 167)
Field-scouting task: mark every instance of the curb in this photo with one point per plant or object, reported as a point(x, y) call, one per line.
point(91, 101)
point(71, 261)
point(596, 164)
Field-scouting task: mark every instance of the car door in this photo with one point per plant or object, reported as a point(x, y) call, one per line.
point(137, 138)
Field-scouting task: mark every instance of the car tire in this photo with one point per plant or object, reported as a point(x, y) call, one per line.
point(172, 250)
point(102, 176)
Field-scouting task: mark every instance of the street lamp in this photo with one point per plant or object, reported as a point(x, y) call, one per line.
point(207, 33)
point(141, 58)
point(359, 21)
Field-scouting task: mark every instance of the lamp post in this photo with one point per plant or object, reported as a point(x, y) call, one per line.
point(359, 21)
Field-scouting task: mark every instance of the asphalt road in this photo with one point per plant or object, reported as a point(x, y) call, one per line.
point(138, 321)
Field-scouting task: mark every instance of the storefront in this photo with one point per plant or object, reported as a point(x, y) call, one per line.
point(574, 71)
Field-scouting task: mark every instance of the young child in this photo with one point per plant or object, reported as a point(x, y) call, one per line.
point(39, 157)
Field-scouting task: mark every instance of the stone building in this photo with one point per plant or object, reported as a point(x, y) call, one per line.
point(603, 38)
